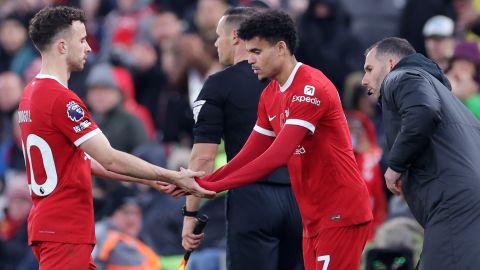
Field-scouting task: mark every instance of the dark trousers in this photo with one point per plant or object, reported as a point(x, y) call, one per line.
point(264, 228)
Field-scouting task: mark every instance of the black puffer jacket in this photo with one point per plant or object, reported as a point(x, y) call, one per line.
point(433, 139)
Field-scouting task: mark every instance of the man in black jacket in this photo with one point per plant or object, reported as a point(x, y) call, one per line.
point(434, 144)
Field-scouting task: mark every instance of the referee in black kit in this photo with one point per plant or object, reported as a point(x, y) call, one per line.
point(264, 229)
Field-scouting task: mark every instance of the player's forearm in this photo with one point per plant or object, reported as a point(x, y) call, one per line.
point(99, 171)
point(202, 162)
point(131, 166)
point(99, 148)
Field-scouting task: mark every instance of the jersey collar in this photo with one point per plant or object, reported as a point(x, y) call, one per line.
point(46, 76)
point(289, 81)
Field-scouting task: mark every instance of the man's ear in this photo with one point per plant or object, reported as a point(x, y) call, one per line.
point(235, 37)
point(62, 46)
point(392, 62)
point(282, 48)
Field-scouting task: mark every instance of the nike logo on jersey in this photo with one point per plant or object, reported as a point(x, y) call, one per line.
point(271, 118)
point(336, 217)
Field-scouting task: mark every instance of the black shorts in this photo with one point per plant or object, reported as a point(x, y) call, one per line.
point(264, 228)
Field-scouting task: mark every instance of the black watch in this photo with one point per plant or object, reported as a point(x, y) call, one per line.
point(186, 213)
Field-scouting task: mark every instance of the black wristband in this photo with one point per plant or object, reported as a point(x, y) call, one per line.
point(186, 213)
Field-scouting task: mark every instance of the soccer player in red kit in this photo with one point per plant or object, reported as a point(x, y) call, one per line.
point(63, 146)
point(301, 123)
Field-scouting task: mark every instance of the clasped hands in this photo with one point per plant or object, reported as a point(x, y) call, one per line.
point(184, 184)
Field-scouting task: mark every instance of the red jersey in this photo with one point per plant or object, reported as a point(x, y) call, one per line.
point(325, 178)
point(54, 122)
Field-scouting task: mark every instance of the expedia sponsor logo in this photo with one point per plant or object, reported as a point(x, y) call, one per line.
point(309, 90)
point(82, 126)
point(313, 100)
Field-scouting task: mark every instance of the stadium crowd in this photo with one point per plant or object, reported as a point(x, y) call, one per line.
point(149, 61)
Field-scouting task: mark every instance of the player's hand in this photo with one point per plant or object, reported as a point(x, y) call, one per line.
point(393, 181)
point(187, 182)
point(169, 189)
point(190, 241)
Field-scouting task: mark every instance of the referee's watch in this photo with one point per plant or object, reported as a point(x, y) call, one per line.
point(187, 213)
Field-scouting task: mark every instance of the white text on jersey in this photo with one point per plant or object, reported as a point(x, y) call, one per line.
point(24, 117)
point(314, 101)
point(83, 125)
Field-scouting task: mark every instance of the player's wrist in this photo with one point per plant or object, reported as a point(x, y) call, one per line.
point(175, 178)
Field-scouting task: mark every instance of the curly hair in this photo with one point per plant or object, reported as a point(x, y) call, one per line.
point(50, 21)
point(271, 25)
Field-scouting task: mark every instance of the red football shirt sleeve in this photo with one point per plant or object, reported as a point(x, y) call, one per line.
point(275, 156)
point(72, 119)
point(254, 147)
point(307, 106)
point(263, 125)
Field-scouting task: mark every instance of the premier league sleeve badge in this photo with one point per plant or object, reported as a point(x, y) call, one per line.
point(75, 111)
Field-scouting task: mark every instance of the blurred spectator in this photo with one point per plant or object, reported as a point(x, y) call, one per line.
point(206, 17)
point(438, 32)
point(14, 248)
point(166, 28)
point(93, 23)
point(326, 43)
point(464, 74)
point(11, 88)
point(372, 24)
point(11, 153)
point(181, 8)
point(355, 97)
point(16, 51)
point(126, 86)
point(105, 99)
point(11, 156)
point(24, 9)
point(124, 25)
point(199, 50)
point(470, 18)
point(118, 243)
point(148, 77)
point(368, 155)
point(415, 15)
point(467, 17)
point(175, 116)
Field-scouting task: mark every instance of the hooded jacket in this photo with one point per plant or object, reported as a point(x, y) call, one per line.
point(433, 139)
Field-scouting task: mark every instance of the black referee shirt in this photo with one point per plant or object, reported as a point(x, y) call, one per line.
point(227, 108)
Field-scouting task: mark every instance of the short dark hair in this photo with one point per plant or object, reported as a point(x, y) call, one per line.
point(395, 46)
point(271, 25)
point(235, 16)
point(50, 21)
